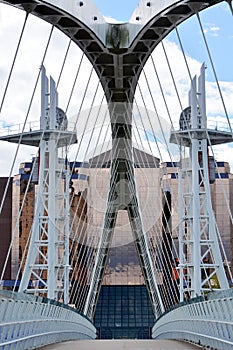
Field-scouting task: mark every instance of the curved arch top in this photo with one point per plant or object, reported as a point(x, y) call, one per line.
point(118, 52)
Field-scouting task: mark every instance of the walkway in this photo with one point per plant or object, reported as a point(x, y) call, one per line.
point(122, 345)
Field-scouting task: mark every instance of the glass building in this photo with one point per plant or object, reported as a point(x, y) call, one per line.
point(123, 309)
point(124, 312)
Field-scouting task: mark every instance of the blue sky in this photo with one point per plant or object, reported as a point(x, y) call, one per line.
point(121, 10)
point(218, 28)
point(217, 22)
point(218, 25)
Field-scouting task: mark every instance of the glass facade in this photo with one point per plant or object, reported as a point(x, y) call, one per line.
point(124, 312)
point(120, 312)
point(123, 267)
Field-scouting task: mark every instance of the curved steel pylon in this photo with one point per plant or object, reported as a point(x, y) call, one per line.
point(118, 53)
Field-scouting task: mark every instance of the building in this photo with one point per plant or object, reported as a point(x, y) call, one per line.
point(222, 201)
point(22, 216)
point(5, 230)
point(123, 308)
point(222, 197)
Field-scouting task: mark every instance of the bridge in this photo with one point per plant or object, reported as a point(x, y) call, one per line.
point(122, 344)
point(109, 173)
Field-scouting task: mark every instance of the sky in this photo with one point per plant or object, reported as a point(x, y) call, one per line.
point(121, 10)
point(217, 25)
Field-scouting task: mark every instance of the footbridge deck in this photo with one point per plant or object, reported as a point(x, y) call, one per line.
point(122, 344)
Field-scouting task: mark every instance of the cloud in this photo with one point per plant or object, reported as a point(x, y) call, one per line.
point(25, 73)
point(163, 86)
point(109, 19)
point(211, 29)
point(215, 104)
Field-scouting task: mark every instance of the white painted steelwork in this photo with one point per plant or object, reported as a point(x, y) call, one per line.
point(47, 264)
point(205, 322)
point(123, 195)
point(29, 322)
point(118, 52)
point(200, 256)
point(46, 269)
point(118, 70)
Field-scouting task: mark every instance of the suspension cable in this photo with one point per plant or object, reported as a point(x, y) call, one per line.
point(14, 60)
point(214, 71)
point(18, 145)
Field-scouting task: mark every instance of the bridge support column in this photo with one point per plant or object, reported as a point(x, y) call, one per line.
point(46, 269)
point(123, 196)
point(200, 256)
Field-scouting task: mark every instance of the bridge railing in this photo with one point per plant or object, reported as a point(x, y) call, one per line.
point(12, 129)
point(29, 323)
point(207, 322)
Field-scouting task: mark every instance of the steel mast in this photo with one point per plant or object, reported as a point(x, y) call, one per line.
point(200, 256)
point(47, 267)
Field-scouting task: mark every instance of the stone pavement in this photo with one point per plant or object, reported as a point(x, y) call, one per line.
point(122, 345)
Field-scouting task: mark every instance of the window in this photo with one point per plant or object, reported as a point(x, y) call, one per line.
point(126, 312)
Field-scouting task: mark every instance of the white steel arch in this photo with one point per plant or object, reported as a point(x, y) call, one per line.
point(118, 53)
point(110, 46)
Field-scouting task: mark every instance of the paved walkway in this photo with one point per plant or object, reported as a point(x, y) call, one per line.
point(122, 345)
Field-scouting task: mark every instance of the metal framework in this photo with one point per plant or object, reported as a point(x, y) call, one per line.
point(118, 53)
point(207, 323)
point(29, 323)
point(199, 252)
point(47, 266)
